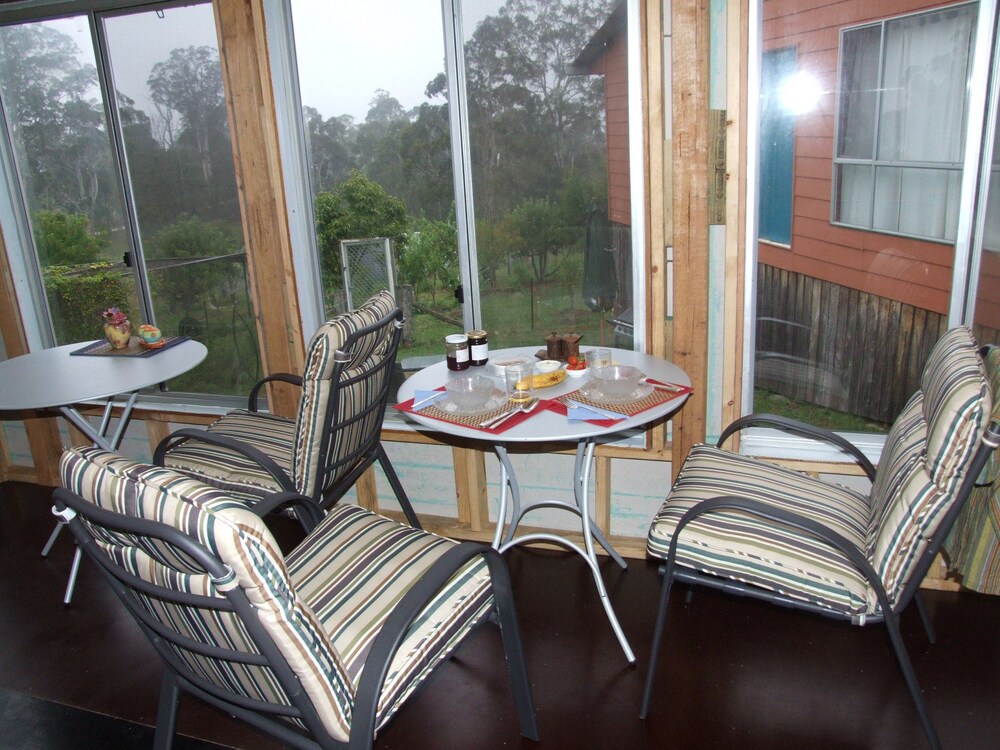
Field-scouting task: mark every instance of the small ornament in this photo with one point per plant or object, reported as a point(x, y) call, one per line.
point(117, 328)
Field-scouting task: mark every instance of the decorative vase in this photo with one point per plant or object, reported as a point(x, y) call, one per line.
point(118, 334)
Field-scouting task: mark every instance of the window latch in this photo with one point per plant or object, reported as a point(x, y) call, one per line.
point(127, 259)
point(460, 294)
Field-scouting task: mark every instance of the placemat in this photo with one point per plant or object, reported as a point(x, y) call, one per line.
point(134, 348)
point(472, 421)
point(631, 408)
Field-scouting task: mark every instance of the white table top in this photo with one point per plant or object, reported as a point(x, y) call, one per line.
point(52, 377)
point(546, 425)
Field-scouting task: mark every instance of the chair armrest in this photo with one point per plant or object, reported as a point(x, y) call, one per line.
point(254, 454)
point(802, 428)
point(393, 632)
point(306, 509)
point(283, 377)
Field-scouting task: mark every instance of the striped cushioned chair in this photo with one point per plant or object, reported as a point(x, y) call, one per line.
point(320, 647)
point(747, 526)
point(264, 459)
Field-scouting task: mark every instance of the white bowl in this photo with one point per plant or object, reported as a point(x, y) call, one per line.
point(577, 373)
point(548, 365)
point(617, 381)
point(470, 391)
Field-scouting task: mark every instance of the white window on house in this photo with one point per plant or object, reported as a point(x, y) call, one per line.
point(900, 123)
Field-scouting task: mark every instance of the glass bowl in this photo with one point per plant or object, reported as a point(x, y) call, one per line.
point(616, 381)
point(470, 392)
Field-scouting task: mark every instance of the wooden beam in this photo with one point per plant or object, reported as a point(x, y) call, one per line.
point(253, 130)
point(689, 87)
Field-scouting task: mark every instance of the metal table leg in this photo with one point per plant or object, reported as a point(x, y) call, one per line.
point(101, 440)
point(581, 491)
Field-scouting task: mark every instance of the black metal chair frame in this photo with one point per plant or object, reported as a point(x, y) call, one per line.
point(889, 615)
point(179, 677)
point(364, 456)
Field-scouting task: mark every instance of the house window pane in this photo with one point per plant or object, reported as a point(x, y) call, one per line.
point(165, 66)
point(547, 89)
point(62, 151)
point(777, 145)
point(138, 211)
point(846, 315)
point(376, 114)
point(914, 115)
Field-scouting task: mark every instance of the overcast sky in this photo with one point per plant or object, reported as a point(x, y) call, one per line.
point(346, 51)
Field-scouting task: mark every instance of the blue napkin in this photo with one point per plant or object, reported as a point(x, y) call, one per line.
point(583, 414)
point(423, 399)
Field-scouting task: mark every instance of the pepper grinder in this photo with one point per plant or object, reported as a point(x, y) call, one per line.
point(553, 346)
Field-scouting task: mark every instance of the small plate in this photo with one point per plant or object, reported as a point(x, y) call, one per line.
point(495, 401)
point(591, 390)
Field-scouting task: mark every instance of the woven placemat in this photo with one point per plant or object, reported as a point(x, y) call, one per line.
point(134, 348)
point(466, 420)
point(629, 409)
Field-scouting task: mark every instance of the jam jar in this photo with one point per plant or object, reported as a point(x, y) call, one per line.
point(457, 351)
point(479, 348)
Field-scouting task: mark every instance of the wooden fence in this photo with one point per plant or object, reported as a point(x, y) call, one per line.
point(838, 347)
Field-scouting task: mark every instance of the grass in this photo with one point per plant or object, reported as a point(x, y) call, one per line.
point(765, 401)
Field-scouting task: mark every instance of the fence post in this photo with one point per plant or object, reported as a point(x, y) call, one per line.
point(405, 302)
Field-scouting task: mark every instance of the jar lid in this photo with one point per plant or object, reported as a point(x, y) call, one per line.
point(476, 334)
point(456, 338)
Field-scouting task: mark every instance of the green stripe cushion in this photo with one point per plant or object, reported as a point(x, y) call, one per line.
point(232, 471)
point(353, 569)
point(317, 390)
point(736, 545)
point(926, 457)
point(241, 540)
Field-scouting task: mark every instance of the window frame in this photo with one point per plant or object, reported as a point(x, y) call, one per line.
point(875, 163)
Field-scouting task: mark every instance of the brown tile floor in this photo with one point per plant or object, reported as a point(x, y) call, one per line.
point(735, 673)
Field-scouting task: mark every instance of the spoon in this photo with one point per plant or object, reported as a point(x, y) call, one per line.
point(526, 407)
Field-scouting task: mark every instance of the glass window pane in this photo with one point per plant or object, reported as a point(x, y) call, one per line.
point(854, 197)
point(548, 110)
point(165, 68)
point(63, 155)
point(859, 86)
point(376, 109)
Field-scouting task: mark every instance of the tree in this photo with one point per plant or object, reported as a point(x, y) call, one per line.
point(358, 209)
point(66, 240)
point(430, 258)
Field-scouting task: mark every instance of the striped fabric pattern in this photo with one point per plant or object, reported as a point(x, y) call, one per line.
point(317, 390)
point(735, 545)
point(354, 568)
point(242, 541)
point(924, 461)
point(295, 444)
point(974, 544)
point(232, 471)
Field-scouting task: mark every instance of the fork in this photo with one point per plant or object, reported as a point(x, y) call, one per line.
point(527, 406)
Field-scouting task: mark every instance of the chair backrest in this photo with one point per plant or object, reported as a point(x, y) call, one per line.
point(207, 583)
point(929, 463)
point(345, 388)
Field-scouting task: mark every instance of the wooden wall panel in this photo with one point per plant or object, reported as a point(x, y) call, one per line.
point(253, 129)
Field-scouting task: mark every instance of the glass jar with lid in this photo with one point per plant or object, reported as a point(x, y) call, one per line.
point(479, 348)
point(457, 351)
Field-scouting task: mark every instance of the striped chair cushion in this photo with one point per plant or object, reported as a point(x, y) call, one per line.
point(354, 567)
point(232, 471)
point(926, 457)
point(317, 390)
point(240, 540)
point(294, 444)
point(737, 545)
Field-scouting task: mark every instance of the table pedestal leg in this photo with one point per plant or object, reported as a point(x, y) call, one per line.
point(581, 485)
point(101, 440)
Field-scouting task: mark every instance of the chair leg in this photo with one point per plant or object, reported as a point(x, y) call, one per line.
point(397, 487)
point(892, 624)
point(510, 634)
point(654, 651)
point(925, 618)
point(166, 714)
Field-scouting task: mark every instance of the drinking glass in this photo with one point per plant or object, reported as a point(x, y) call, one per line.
point(520, 387)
